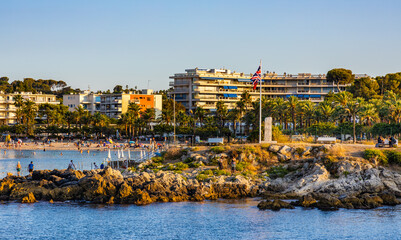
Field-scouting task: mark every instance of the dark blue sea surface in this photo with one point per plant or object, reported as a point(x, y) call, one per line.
point(222, 219)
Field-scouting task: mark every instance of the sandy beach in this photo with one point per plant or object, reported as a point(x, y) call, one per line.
point(58, 146)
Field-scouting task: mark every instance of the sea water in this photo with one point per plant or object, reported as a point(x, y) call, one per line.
point(221, 219)
point(54, 159)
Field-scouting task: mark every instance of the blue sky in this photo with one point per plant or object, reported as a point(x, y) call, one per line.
point(104, 43)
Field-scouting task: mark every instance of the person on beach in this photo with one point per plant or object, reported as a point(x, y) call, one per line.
point(30, 168)
point(95, 166)
point(19, 169)
point(102, 166)
point(71, 166)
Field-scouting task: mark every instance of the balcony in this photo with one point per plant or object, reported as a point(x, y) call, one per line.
point(302, 84)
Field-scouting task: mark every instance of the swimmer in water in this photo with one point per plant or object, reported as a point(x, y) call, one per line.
point(61, 154)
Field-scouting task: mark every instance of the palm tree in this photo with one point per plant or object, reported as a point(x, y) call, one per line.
point(147, 116)
point(395, 111)
point(240, 106)
point(309, 109)
point(246, 98)
point(29, 109)
point(80, 115)
point(369, 114)
point(342, 98)
point(200, 114)
point(124, 120)
point(221, 113)
point(279, 110)
point(325, 110)
point(235, 116)
point(354, 107)
point(292, 104)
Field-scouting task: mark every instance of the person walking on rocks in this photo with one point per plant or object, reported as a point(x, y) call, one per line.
point(233, 164)
point(220, 163)
point(19, 169)
point(71, 166)
point(30, 168)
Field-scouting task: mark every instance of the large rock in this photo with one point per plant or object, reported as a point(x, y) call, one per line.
point(29, 198)
point(328, 203)
point(306, 201)
point(274, 205)
point(274, 148)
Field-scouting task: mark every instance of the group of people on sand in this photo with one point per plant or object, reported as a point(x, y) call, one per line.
point(391, 141)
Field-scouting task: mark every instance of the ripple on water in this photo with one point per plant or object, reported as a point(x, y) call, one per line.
point(234, 219)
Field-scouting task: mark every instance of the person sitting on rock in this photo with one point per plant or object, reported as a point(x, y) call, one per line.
point(102, 166)
point(392, 141)
point(71, 166)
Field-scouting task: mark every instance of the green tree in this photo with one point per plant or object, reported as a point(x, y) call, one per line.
point(292, 104)
point(365, 87)
point(340, 76)
point(354, 107)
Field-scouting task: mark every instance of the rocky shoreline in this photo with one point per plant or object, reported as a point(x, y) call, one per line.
point(311, 183)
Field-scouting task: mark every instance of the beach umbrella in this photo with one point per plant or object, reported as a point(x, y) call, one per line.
point(109, 155)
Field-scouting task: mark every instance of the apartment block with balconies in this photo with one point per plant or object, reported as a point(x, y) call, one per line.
point(86, 99)
point(204, 87)
point(8, 108)
point(113, 105)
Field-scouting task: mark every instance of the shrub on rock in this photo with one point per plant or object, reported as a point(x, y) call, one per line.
point(30, 198)
point(375, 155)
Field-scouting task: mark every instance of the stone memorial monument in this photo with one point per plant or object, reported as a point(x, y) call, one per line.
point(268, 130)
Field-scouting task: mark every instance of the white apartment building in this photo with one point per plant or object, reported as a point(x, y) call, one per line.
point(7, 104)
point(204, 87)
point(87, 99)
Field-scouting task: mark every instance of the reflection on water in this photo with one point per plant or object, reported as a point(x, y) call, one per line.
point(238, 219)
point(51, 159)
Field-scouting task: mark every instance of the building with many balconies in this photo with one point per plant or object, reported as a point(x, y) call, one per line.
point(204, 87)
point(8, 108)
point(113, 105)
point(86, 99)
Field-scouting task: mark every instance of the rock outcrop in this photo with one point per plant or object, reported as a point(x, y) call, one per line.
point(108, 186)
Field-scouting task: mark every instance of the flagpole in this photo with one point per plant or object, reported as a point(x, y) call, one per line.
point(260, 103)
